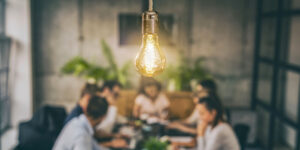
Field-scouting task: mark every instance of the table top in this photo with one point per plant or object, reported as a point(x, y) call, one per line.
point(140, 132)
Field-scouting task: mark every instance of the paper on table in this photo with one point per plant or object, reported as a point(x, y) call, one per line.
point(128, 131)
point(132, 143)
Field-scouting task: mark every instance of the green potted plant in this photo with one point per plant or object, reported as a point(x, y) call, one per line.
point(155, 144)
point(79, 67)
point(94, 73)
point(184, 76)
point(114, 72)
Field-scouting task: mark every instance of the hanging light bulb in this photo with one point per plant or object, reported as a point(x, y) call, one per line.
point(150, 60)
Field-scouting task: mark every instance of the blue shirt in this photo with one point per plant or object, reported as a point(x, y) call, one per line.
point(77, 135)
point(77, 111)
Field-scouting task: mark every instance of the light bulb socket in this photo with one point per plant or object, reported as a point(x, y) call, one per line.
point(150, 22)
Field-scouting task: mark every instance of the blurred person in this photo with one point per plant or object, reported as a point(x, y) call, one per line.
point(78, 133)
point(87, 91)
point(150, 102)
point(189, 124)
point(213, 132)
point(110, 90)
point(204, 88)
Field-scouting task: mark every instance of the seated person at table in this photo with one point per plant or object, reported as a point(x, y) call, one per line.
point(87, 91)
point(110, 90)
point(78, 133)
point(150, 102)
point(213, 132)
point(203, 89)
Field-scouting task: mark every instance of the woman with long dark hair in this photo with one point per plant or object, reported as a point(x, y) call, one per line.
point(204, 88)
point(213, 132)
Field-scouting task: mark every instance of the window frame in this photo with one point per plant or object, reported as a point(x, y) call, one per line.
point(278, 65)
point(5, 45)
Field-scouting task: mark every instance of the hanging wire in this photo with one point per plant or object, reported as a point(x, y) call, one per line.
point(150, 5)
point(80, 26)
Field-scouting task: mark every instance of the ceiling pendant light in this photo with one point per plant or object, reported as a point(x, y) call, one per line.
point(150, 60)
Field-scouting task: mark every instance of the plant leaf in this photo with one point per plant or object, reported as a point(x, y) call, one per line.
point(107, 52)
point(75, 66)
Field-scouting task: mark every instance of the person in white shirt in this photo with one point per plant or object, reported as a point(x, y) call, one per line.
point(203, 89)
point(110, 90)
point(78, 133)
point(151, 102)
point(213, 133)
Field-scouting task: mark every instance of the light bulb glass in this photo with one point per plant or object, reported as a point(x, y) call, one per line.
point(150, 60)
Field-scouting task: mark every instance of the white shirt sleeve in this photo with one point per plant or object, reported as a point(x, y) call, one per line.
point(200, 143)
point(109, 121)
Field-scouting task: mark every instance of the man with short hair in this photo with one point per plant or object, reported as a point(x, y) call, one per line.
point(78, 133)
point(110, 91)
point(87, 91)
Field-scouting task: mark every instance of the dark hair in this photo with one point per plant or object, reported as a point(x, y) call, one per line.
point(110, 85)
point(148, 81)
point(208, 84)
point(214, 95)
point(212, 103)
point(89, 89)
point(97, 107)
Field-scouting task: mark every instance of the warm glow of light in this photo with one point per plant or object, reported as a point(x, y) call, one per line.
point(150, 60)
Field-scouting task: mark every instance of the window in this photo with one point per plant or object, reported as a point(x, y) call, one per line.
point(4, 72)
point(4, 93)
point(2, 17)
point(276, 78)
